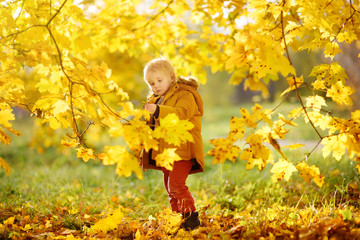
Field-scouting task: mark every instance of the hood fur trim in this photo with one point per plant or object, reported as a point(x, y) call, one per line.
point(190, 81)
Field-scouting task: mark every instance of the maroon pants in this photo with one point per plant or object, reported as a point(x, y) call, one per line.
point(180, 197)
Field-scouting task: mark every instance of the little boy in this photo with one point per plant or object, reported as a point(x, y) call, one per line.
point(179, 96)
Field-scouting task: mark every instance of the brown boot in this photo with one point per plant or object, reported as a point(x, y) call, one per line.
point(190, 220)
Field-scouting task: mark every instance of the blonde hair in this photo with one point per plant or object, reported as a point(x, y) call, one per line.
point(158, 64)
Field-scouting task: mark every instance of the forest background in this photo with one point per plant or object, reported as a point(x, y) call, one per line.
point(280, 83)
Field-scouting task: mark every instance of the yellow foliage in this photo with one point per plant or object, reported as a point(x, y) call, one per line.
point(167, 158)
point(224, 149)
point(126, 162)
point(85, 153)
point(109, 223)
point(6, 115)
point(340, 93)
point(282, 169)
point(73, 143)
point(75, 63)
point(60, 107)
point(6, 166)
point(169, 221)
point(310, 173)
point(9, 221)
point(335, 144)
point(294, 83)
point(257, 154)
point(174, 130)
point(315, 102)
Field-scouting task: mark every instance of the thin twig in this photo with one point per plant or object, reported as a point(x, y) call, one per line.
point(346, 20)
point(294, 77)
point(154, 17)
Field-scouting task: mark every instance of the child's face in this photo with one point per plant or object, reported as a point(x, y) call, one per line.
point(160, 83)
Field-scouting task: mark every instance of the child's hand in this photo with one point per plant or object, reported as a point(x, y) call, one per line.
point(150, 107)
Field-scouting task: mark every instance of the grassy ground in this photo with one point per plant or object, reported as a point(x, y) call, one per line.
point(58, 196)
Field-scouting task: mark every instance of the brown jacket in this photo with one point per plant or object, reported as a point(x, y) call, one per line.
point(183, 100)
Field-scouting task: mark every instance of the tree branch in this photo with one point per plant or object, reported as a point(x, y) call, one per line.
point(154, 17)
point(294, 77)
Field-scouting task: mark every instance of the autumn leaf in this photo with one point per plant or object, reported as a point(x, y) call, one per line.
point(276, 145)
point(72, 143)
point(224, 149)
point(340, 93)
point(169, 221)
point(127, 166)
point(6, 115)
point(60, 107)
point(126, 162)
point(5, 166)
point(315, 102)
point(9, 221)
point(167, 158)
point(4, 138)
point(138, 135)
point(282, 169)
point(310, 173)
point(85, 153)
point(257, 154)
point(173, 130)
point(109, 223)
point(335, 144)
point(293, 84)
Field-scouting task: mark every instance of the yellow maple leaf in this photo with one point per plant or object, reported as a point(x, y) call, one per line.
point(167, 158)
point(6, 115)
point(331, 49)
point(340, 93)
point(4, 137)
point(127, 166)
point(85, 154)
point(116, 128)
point(72, 143)
point(295, 113)
point(237, 128)
point(285, 121)
point(126, 162)
point(169, 221)
point(60, 107)
point(355, 115)
point(248, 119)
point(292, 85)
point(71, 237)
point(310, 173)
point(26, 228)
point(109, 223)
point(54, 123)
point(335, 144)
point(139, 135)
point(9, 221)
point(282, 169)
point(315, 102)
point(113, 154)
point(173, 130)
point(258, 154)
point(224, 149)
point(352, 143)
point(6, 166)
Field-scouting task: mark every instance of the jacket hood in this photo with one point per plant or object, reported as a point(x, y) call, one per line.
point(189, 81)
point(191, 84)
